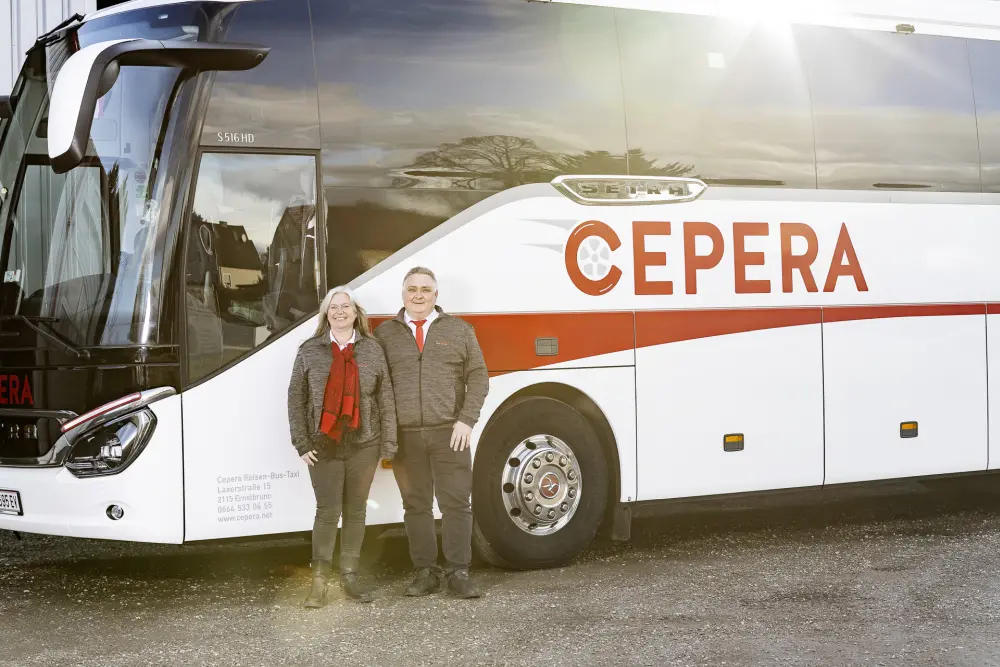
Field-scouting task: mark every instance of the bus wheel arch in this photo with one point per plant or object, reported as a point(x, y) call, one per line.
point(560, 426)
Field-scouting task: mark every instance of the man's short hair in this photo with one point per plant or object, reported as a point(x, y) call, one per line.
point(421, 270)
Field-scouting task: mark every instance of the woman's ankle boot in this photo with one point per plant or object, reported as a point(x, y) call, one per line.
point(317, 594)
point(352, 588)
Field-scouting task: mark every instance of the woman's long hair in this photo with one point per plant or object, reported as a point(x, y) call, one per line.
point(360, 321)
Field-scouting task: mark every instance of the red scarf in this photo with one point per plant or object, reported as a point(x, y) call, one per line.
point(341, 401)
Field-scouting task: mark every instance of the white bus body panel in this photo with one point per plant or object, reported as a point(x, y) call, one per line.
point(507, 256)
point(242, 475)
point(882, 372)
point(56, 502)
point(766, 385)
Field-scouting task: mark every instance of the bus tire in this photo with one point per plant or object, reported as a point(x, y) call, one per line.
point(540, 486)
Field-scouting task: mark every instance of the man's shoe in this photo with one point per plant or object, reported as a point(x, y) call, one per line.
point(352, 589)
point(460, 584)
point(426, 582)
point(317, 594)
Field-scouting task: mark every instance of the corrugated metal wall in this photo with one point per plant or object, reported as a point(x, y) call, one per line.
point(23, 21)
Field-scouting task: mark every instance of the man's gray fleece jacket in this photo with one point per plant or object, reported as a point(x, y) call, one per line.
point(307, 387)
point(446, 383)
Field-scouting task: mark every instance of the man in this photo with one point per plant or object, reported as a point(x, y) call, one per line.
point(440, 382)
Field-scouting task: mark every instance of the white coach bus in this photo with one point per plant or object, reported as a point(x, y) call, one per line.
point(706, 250)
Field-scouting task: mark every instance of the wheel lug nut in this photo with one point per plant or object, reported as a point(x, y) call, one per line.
point(549, 457)
point(562, 460)
point(563, 507)
point(528, 478)
point(572, 493)
point(538, 510)
point(552, 514)
point(536, 464)
point(572, 475)
point(529, 496)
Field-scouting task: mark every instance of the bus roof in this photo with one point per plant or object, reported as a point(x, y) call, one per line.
point(959, 18)
point(978, 19)
point(144, 4)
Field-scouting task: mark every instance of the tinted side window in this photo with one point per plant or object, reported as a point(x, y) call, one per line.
point(985, 59)
point(274, 104)
point(715, 99)
point(466, 94)
point(251, 269)
point(367, 225)
point(892, 111)
point(428, 107)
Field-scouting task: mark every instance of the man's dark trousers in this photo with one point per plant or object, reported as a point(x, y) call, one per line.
point(426, 464)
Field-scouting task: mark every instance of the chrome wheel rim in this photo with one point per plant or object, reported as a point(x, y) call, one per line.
point(541, 485)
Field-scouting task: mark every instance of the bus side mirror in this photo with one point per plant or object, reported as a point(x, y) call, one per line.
point(6, 110)
point(91, 72)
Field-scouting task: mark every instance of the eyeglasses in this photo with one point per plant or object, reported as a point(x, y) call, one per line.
point(346, 307)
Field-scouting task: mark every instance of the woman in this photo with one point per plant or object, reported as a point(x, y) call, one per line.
point(343, 420)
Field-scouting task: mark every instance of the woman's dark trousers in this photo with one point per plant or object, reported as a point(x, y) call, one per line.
point(341, 484)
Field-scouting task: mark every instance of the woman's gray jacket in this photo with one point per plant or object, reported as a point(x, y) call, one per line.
point(307, 387)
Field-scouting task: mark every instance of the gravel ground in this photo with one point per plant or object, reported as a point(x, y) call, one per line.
point(905, 575)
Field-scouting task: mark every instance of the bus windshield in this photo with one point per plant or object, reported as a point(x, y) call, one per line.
point(83, 252)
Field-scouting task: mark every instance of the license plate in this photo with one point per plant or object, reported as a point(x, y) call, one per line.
point(10, 503)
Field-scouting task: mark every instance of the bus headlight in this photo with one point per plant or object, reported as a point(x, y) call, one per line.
point(111, 447)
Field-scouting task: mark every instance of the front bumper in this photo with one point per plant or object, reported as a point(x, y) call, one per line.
point(150, 491)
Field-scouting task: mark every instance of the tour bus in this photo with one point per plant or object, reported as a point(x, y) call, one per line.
point(707, 249)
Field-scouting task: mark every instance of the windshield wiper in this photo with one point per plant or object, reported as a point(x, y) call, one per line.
point(50, 336)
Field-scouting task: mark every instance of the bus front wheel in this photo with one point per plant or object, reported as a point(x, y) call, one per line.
point(540, 486)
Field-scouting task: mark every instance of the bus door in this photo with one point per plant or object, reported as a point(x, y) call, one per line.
point(250, 298)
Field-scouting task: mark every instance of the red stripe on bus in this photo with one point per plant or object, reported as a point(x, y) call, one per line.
point(508, 341)
point(662, 327)
point(855, 313)
point(672, 326)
